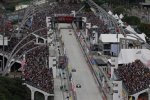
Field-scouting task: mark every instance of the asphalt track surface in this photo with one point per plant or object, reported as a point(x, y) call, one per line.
point(83, 76)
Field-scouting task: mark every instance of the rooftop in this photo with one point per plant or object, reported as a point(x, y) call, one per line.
point(113, 37)
point(130, 55)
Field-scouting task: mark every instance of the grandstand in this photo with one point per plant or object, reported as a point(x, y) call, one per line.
point(36, 70)
point(135, 76)
point(133, 70)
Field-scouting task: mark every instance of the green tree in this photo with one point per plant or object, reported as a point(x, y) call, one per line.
point(119, 10)
point(100, 2)
point(145, 28)
point(132, 20)
point(12, 89)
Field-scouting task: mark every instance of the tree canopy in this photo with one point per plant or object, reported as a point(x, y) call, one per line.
point(12, 89)
point(119, 10)
point(132, 20)
point(145, 28)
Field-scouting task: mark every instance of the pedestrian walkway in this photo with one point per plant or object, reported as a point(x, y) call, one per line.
point(61, 88)
point(58, 93)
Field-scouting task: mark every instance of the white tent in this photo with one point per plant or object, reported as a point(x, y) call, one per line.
point(116, 16)
point(129, 28)
point(122, 24)
point(109, 12)
point(113, 16)
point(121, 16)
point(130, 55)
point(120, 21)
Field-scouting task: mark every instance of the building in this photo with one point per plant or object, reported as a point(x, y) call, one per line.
point(110, 43)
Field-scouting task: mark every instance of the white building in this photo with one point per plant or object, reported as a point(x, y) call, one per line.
point(111, 42)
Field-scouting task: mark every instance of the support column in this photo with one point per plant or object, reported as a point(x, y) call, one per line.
point(46, 97)
point(32, 94)
point(36, 39)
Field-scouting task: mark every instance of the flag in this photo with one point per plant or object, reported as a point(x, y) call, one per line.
point(29, 22)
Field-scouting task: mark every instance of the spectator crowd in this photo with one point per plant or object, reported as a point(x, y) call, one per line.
point(37, 72)
point(95, 21)
point(135, 76)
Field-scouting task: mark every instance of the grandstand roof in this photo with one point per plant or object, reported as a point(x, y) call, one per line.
point(129, 28)
point(116, 16)
point(130, 55)
point(109, 12)
point(113, 37)
point(121, 16)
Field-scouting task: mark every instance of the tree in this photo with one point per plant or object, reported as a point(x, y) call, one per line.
point(145, 28)
point(119, 10)
point(12, 89)
point(99, 2)
point(132, 20)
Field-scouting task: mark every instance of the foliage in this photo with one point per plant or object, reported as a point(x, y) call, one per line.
point(132, 20)
point(119, 10)
point(99, 2)
point(10, 8)
point(12, 89)
point(145, 28)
